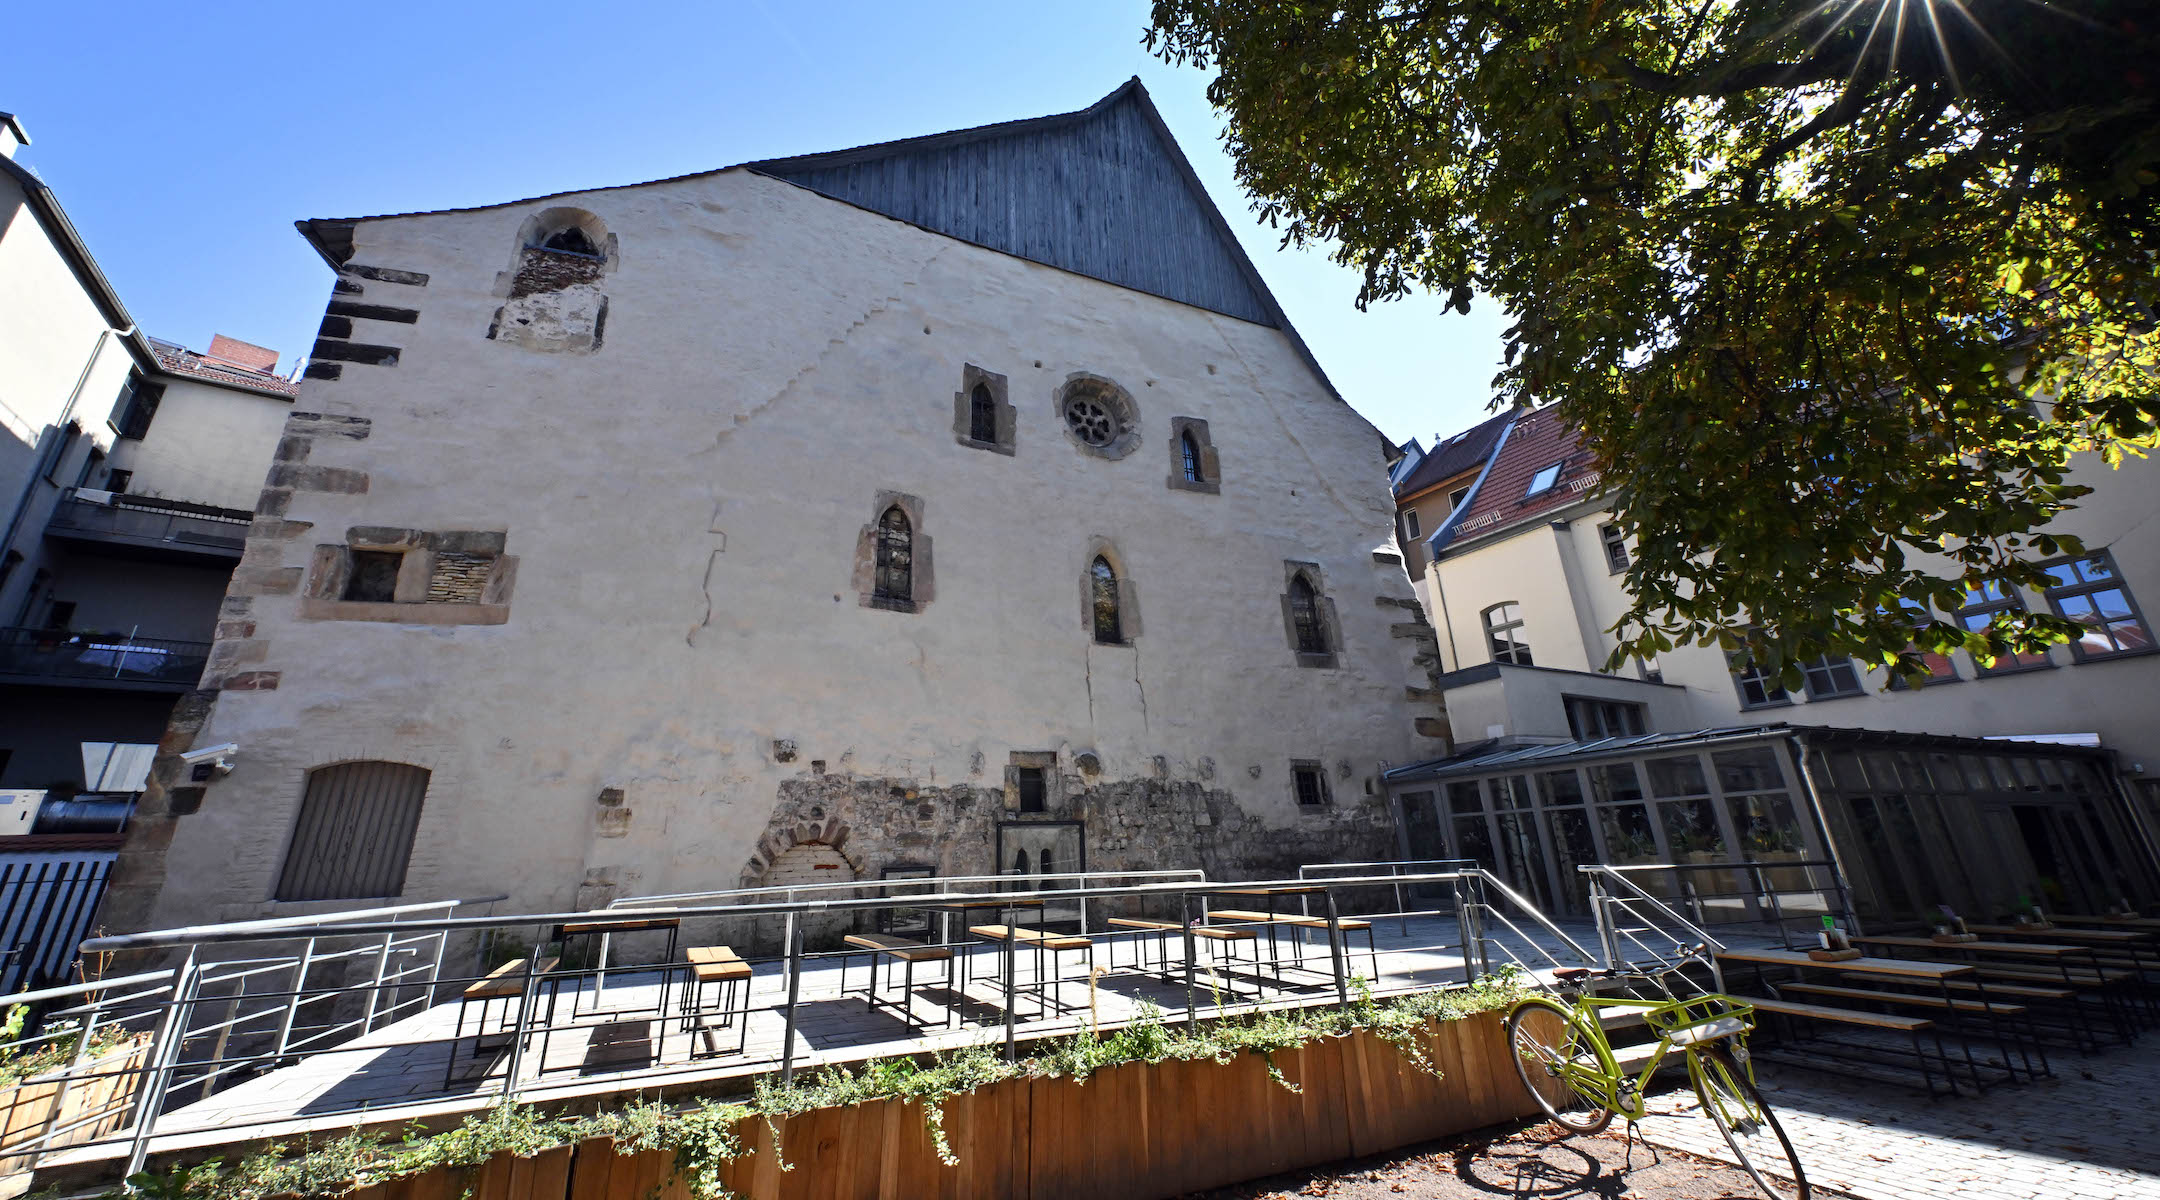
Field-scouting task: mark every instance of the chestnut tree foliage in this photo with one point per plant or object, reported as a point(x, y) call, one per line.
point(1833, 290)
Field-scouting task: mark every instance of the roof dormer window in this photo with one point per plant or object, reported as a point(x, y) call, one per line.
point(1543, 481)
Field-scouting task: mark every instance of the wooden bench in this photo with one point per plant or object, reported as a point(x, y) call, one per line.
point(505, 983)
point(1908, 999)
point(507, 980)
point(1163, 930)
point(721, 966)
point(1912, 1027)
point(888, 949)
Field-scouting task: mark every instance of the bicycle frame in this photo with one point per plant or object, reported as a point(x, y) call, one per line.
point(1624, 1094)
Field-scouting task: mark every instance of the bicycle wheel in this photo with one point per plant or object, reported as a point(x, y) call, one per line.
point(1749, 1126)
point(1552, 1050)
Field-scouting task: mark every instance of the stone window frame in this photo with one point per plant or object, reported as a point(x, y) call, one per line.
point(330, 568)
point(1318, 769)
point(1323, 606)
point(1128, 593)
point(1210, 481)
point(1046, 761)
point(922, 581)
point(1007, 417)
point(1116, 398)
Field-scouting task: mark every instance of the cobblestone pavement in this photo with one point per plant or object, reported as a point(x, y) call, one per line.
point(2090, 1133)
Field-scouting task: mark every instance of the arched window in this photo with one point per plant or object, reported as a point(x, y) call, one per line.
point(982, 414)
point(572, 240)
point(1104, 592)
point(894, 585)
point(1305, 617)
point(1020, 863)
point(1189, 458)
point(1504, 634)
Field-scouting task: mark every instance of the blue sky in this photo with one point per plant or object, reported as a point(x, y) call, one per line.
point(184, 139)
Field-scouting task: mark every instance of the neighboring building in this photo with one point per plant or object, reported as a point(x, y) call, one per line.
point(1528, 581)
point(129, 470)
point(600, 560)
point(1430, 489)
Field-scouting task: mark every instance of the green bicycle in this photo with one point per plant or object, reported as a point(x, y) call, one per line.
point(1566, 1062)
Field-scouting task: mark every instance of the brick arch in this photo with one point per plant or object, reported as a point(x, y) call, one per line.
point(832, 832)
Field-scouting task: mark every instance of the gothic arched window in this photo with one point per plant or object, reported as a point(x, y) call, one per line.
point(1305, 618)
point(894, 585)
point(1103, 590)
point(1189, 458)
point(982, 414)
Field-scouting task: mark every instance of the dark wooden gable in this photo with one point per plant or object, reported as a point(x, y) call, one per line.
point(1103, 192)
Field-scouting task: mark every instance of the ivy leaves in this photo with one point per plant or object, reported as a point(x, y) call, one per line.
point(1835, 301)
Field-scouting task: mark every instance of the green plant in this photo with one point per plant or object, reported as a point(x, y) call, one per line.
point(703, 1136)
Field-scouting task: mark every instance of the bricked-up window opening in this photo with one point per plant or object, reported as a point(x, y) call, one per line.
point(982, 414)
point(1305, 616)
point(2089, 591)
point(1103, 581)
point(1615, 540)
point(374, 576)
point(1029, 782)
point(1312, 787)
point(1504, 634)
point(1189, 456)
point(1020, 863)
point(354, 837)
point(572, 241)
point(894, 586)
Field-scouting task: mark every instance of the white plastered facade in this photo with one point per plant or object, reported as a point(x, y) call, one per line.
point(684, 505)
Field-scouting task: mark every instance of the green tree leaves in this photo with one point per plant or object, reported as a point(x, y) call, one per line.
point(1834, 291)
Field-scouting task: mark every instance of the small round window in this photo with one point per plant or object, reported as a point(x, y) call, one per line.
point(1090, 420)
point(1099, 415)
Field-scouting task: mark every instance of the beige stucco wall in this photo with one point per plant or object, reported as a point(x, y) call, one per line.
point(2118, 699)
point(685, 505)
point(49, 332)
point(207, 444)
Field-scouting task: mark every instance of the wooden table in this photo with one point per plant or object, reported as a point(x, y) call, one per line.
point(2027, 949)
point(2059, 955)
point(2098, 937)
point(2152, 923)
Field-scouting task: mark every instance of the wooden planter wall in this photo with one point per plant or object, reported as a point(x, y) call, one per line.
point(1140, 1130)
point(31, 1108)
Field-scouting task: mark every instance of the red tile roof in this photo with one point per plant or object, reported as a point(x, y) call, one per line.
point(1538, 440)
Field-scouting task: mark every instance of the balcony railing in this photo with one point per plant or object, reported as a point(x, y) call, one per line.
point(94, 658)
point(149, 522)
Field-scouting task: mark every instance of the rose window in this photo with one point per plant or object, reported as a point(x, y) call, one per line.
point(1090, 421)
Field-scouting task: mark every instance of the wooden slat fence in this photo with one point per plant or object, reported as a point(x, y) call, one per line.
point(1135, 1131)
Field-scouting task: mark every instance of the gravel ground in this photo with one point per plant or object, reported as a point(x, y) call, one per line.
point(1513, 1161)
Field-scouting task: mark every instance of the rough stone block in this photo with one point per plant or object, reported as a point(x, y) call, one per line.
point(273, 502)
point(298, 477)
point(324, 370)
point(251, 681)
point(313, 424)
point(235, 629)
point(238, 652)
point(468, 541)
point(386, 274)
point(265, 581)
point(294, 449)
point(354, 352)
point(236, 606)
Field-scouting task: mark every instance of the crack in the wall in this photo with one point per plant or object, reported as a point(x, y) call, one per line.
point(876, 309)
point(690, 638)
point(1141, 689)
point(1253, 378)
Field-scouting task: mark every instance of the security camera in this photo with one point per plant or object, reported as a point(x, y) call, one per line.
point(210, 762)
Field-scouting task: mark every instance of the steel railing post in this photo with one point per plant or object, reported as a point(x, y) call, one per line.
point(382, 968)
point(1462, 925)
point(164, 1052)
point(1402, 910)
point(528, 996)
point(302, 965)
point(791, 937)
point(1192, 955)
point(1335, 948)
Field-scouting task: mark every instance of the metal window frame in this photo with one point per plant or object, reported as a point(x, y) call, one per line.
point(2115, 582)
point(882, 568)
point(1614, 539)
point(1312, 637)
point(1097, 578)
point(1828, 664)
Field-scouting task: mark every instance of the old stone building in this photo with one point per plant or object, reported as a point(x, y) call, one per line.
point(952, 505)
